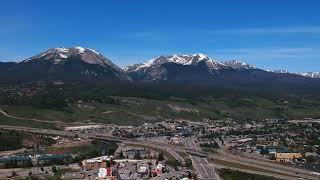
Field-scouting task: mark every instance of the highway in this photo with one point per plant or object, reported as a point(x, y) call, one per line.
point(199, 159)
point(272, 167)
point(201, 164)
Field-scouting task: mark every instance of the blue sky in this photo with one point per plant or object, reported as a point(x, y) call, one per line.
point(269, 34)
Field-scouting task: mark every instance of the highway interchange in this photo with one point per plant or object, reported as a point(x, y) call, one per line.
point(204, 168)
point(201, 164)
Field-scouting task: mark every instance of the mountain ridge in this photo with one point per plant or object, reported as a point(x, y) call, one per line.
point(78, 63)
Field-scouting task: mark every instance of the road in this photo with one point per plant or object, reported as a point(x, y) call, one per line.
point(269, 166)
point(28, 119)
point(38, 120)
point(201, 164)
point(38, 130)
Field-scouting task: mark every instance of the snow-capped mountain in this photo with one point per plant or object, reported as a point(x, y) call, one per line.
point(75, 63)
point(310, 74)
point(61, 54)
point(193, 65)
point(238, 64)
point(177, 59)
point(280, 71)
point(314, 75)
point(194, 59)
point(201, 69)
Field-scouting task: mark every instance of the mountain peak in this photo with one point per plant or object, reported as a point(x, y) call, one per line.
point(192, 59)
point(200, 56)
point(236, 64)
point(80, 49)
point(61, 54)
point(71, 63)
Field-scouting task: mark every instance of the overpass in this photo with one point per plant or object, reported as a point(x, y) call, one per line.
point(198, 158)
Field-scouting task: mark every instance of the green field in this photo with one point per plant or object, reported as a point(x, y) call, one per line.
point(136, 111)
point(126, 105)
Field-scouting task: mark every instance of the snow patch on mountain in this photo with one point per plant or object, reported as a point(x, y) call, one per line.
point(63, 56)
point(282, 71)
point(314, 75)
point(236, 64)
point(94, 51)
point(60, 54)
point(63, 50)
point(175, 58)
point(147, 64)
point(80, 49)
point(201, 56)
point(214, 64)
point(310, 74)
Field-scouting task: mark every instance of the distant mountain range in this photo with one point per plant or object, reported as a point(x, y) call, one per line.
point(79, 63)
point(305, 74)
point(201, 69)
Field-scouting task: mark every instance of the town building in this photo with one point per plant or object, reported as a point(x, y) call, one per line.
point(96, 163)
point(287, 156)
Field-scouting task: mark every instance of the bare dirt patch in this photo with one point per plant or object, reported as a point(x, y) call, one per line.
point(182, 109)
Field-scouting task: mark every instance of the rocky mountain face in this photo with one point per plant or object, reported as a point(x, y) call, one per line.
point(79, 63)
point(174, 66)
point(201, 69)
point(238, 65)
point(74, 63)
